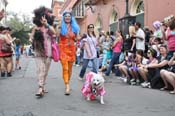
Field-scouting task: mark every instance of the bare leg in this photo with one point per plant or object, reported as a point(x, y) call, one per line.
point(143, 74)
point(121, 70)
point(132, 73)
point(170, 76)
point(162, 74)
point(125, 71)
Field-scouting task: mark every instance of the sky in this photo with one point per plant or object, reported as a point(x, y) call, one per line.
point(26, 6)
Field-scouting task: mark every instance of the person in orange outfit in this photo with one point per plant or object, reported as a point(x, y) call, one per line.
point(68, 33)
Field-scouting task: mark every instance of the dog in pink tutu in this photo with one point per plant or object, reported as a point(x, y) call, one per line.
point(93, 87)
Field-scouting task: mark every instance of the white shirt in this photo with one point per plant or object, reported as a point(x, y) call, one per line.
point(140, 44)
point(144, 61)
point(92, 43)
point(78, 51)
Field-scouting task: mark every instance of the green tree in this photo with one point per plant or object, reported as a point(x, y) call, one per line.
point(21, 26)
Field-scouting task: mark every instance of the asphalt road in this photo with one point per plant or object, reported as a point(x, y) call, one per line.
point(17, 96)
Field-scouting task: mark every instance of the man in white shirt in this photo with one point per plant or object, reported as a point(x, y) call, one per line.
point(140, 37)
point(102, 38)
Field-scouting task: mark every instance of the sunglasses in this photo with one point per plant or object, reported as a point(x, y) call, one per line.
point(67, 15)
point(90, 27)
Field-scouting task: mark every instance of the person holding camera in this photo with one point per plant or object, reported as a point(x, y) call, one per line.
point(169, 34)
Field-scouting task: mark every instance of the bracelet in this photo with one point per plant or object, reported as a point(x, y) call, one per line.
point(47, 26)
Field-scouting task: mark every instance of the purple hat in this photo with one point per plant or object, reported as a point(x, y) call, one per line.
point(157, 24)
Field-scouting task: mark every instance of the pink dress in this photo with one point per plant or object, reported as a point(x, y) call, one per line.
point(87, 89)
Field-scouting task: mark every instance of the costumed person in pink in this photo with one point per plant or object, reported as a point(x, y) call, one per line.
point(41, 36)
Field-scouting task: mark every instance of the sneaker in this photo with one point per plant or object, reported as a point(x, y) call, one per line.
point(138, 81)
point(132, 80)
point(172, 92)
point(121, 78)
point(133, 83)
point(125, 80)
point(145, 84)
point(164, 88)
point(77, 65)
point(149, 86)
point(128, 81)
point(79, 78)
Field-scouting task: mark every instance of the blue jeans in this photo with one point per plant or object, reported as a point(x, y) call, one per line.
point(114, 60)
point(85, 64)
point(78, 60)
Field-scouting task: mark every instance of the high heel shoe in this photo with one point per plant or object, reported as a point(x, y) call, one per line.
point(67, 92)
point(40, 92)
point(45, 91)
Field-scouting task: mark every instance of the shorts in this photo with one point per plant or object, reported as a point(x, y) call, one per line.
point(17, 56)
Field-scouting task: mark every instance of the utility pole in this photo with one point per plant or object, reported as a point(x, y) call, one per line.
point(127, 5)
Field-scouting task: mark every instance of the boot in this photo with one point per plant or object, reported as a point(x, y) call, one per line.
point(2, 74)
point(9, 74)
point(67, 92)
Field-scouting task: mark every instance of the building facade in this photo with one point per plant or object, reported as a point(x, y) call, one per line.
point(3, 5)
point(106, 14)
point(57, 7)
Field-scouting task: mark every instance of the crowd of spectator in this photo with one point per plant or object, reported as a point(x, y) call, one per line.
point(143, 57)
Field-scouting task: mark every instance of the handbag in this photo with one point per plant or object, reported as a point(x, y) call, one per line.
point(55, 51)
point(6, 48)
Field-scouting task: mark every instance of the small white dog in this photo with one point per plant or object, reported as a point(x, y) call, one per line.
point(94, 86)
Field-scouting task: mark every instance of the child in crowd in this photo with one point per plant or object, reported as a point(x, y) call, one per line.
point(125, 65)
point(17, 53)
point(106, 52)
point(137, 60)
point(78, 55)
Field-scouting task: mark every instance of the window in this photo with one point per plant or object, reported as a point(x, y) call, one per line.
point(113, 21)
point(140, 7)
point(98, 25)
point(79, 10)
point(137, 7)
point(115, 17)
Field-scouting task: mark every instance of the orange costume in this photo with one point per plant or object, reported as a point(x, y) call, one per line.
point(67, 54)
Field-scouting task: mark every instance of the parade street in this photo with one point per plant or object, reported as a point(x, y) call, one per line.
point(17, 96)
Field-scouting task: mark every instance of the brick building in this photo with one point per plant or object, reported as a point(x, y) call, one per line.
point(106, 14)
point(57, 6)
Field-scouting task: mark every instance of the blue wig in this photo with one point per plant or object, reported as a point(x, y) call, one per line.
point(74, 25)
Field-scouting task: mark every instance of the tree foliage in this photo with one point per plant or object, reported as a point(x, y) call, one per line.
point(21, 26)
